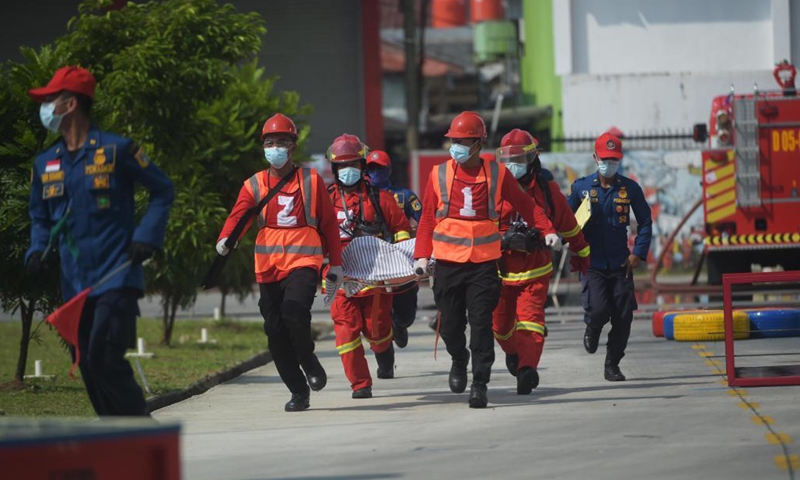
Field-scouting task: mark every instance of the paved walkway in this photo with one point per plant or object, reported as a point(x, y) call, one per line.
point(673, 418)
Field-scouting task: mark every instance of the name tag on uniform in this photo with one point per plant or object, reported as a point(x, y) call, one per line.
point(53, 190)
point(622, 200)
point(50, 177)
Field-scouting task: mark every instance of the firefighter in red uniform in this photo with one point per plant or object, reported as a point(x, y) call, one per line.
point(460, 213)
point(362, 210)
point(293, 229)
point(519, 324)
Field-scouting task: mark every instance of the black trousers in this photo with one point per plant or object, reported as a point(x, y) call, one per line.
point(608, 296)
point(404, 307)
point(468, 292)
point(286, 308)
point(108, 328)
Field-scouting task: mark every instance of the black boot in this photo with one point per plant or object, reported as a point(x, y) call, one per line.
point(298, 403)
point(386, 362)
point(612, 371)
point(527, 380)
point(458, 374)
point(315, 374)
point(400, 336)
point(613, 374)
point(365, 392)
point(512, 362)
point(591, 337)
point(477, 395)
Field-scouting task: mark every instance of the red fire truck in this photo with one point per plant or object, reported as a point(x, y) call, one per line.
point(750, 179)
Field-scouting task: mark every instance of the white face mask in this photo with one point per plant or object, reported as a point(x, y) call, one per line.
point(608, 168)
point(277, 156)
point(50, 119)
point(460, 153)
point(517, 169)
point(349, 176)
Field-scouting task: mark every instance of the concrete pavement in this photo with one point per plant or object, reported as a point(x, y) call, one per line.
point(673, 418)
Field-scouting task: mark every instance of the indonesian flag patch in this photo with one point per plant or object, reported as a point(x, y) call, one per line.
point(53, 165)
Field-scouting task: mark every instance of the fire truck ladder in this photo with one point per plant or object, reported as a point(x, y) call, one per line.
point(748, 171)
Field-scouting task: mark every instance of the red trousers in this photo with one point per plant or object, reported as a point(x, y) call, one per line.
point(370, 315)
point(518, 321)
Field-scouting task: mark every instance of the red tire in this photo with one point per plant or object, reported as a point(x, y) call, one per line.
point(658, 323)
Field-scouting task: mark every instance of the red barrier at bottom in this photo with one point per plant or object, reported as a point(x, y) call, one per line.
point(115, 449)
point(754, 376)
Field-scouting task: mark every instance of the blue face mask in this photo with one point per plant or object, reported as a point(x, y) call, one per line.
point(349, 176)
point(380, 176)
point(277, 156)
point(517, 169)
point(50, 119)
point(460, 153)
point(608, 168)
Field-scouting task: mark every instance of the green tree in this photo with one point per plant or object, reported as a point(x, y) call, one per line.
point(179, 77)
point(21, 138)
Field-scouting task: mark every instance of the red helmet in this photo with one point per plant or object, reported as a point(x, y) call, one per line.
point(518, 146)
point(279, 123)
point(346, 148)
point(379, 158)
point(467, 125)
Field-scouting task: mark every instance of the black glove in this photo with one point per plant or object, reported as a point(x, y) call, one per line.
point(35, 266)
point(139, 252)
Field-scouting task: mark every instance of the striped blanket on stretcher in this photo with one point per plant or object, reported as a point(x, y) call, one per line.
point(372, 262)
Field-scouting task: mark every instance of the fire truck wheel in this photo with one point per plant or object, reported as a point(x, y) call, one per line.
point(774, 322)
point(709, 326)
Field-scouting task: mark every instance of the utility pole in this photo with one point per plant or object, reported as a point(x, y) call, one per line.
point(412, 75)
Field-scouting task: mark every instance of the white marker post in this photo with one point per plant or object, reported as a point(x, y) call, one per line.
point(38, 371)
point(217, 315)
point(204, 337)
point(141, 353)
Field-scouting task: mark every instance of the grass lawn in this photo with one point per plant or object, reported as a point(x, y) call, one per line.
point(172, 368)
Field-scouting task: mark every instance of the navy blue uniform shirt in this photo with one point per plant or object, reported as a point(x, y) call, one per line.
point(96, 185)
point(607, 229)
point(407, 201)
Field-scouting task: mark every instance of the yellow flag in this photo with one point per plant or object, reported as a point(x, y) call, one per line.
point(584, 211)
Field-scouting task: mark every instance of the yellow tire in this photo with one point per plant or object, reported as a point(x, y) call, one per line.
point(709, 326)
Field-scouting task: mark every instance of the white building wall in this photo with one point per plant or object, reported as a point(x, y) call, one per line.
point(656, 65)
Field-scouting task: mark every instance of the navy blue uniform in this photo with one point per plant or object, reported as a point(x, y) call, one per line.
point(94, 186)
point(608, 293)
point(404, 304)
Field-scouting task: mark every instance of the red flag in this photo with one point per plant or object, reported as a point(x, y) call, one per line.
point(66, 319)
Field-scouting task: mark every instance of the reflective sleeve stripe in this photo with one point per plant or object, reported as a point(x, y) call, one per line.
point(494, 173)
point(504, 337)
point(298, 249)
point(585, 251)
point(531, 327)
point(401, 235)
point(349, 346)
point(308, 201)
point(384, 339)
point(440, 237)
point(571, 233)
point(257, 197)
point(530, 274)
point(443, 193)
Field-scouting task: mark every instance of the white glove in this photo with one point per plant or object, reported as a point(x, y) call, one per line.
point(221, 248)
point(420, 266)
point(553, 241)
point(334, 276)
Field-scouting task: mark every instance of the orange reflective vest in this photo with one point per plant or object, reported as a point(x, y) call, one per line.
point(287, 238)
point(466, 216)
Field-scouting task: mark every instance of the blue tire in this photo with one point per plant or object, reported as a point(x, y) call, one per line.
point(773, 323)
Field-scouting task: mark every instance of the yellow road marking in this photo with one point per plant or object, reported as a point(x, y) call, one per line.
point(763, 420)
point(749, 405)
point(698, 347)
point(778, 438)
point(723, 381)
point(718, 371)
point(737, 393)
point(706, 354)
point(783, 462)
